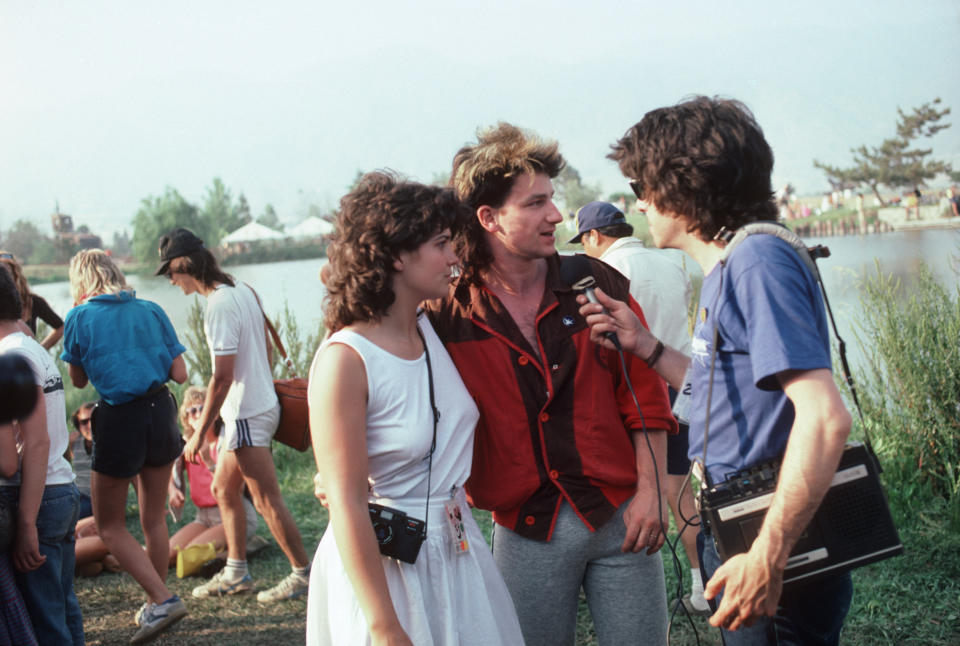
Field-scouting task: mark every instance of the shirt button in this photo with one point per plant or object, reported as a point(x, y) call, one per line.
point(529, 520)
point(555, 366)
point(523, 361)
point(544, 417)
point(554, 474)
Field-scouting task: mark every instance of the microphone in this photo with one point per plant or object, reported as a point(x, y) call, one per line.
point(575, 273)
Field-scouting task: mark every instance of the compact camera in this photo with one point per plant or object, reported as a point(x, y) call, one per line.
point(399, 535)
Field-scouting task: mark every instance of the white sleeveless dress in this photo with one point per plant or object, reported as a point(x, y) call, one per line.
point(445, 598)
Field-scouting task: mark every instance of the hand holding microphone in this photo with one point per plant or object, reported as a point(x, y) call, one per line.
point(575, 272)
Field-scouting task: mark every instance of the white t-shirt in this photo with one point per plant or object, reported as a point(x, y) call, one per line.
point(659, 284)
point(233, 324)
point(45, 375)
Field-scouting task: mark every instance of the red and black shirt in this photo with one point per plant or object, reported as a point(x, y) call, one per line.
point(555, 423)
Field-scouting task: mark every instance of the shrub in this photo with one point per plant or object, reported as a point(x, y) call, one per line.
point(911, 386)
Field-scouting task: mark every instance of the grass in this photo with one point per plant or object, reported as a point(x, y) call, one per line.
point(912, 599)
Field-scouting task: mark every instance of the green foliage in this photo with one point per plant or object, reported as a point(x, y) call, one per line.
point(300, 350)
point(571, 191)
point(269, 218)
point(911, 389)
point(894, 163)
point(31, 247)
point(157, 216)
point(198, 352)
point(220, 214)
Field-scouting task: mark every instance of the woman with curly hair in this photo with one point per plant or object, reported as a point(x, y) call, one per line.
point(33, 306)
point(392, 425)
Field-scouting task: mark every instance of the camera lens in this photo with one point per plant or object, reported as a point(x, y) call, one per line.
point(383, 532)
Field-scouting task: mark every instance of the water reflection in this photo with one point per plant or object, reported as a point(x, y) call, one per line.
point(297, 282)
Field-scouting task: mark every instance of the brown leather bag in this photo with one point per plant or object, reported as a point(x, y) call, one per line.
point(294, 428)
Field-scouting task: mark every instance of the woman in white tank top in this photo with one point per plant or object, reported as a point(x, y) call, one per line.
point(373, 387)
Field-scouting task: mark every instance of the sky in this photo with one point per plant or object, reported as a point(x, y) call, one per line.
point(106, 103)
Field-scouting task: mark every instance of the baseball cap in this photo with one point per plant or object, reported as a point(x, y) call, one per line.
point(595, 215)
point(178, 242)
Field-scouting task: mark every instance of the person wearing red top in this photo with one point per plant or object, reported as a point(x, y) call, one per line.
point(562, 456)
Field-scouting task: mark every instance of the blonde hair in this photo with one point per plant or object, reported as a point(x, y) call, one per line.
point(93, 272)
point(192, 396)
point(20, 281)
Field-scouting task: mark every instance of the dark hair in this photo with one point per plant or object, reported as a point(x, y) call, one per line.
point(618, 230)
point(75, 418)
point(201, 265)
point(10, 305)
point(484, 174)
point(377, 220)
point(704, 159)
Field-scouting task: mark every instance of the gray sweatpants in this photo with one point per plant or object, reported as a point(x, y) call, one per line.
point(626, 593)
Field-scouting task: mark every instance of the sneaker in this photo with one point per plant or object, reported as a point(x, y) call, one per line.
point(691, 609)
point(138, 618)
point(291, 587)
point(218, 586)
point(157, 618)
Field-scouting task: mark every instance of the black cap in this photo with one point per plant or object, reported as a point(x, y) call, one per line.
point(178, 242)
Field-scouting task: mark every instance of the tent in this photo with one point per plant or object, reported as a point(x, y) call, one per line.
point(252, 232)
point(312, 227)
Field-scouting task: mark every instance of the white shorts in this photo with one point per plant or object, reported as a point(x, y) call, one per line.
point(210, 517)
point(252, 431)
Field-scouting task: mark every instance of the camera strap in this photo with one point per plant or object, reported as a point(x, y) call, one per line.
point(435, 415)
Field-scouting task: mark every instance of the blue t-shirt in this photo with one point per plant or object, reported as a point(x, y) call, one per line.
point(771, 318)
point(124, 344)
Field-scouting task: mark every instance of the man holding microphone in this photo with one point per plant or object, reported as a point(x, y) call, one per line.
point(701, 169)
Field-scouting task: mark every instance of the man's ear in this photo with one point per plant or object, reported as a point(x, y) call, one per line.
point(398, 264)
point(487, 215)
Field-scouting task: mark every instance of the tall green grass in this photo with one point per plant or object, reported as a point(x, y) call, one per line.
point(910, 388)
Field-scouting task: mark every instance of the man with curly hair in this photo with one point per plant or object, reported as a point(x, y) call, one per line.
point(563, 457)
point(701, 170)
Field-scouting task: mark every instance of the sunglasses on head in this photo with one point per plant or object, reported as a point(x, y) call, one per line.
point(637, 187)
point(6, 256)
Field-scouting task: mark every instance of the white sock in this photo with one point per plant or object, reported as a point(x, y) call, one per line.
point(303, 572)
point(235, 569)
point(696, 590)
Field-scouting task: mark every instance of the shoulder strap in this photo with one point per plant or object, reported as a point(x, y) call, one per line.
point(774, 229)
point(273, 333)
point(808, 255)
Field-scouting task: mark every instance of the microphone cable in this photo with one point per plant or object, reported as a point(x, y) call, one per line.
point(677, 568)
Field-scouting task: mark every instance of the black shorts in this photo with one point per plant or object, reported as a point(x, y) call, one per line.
point(139, 433)
point(678, 464)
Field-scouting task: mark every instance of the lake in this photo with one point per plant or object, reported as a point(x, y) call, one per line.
point(297, 282)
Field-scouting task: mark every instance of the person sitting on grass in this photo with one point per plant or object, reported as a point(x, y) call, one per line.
point(127, 348)
point(92, 554)
point(207, 526)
